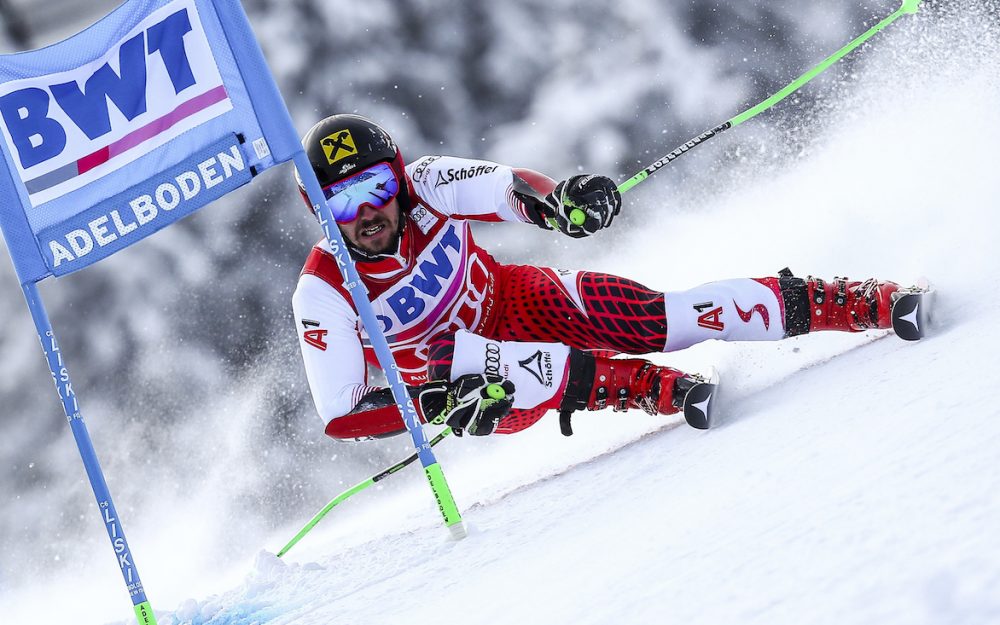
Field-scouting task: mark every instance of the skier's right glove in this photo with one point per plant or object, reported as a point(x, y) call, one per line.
point(582, 205)
point(473, 403)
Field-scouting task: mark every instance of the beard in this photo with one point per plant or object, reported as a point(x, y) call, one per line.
point(376, 235)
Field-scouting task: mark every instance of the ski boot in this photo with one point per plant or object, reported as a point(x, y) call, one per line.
point(629, 383)
point(813, 304)
point(850, 306)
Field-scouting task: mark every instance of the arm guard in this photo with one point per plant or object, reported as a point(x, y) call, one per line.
point(375, 416)
point(530, 189)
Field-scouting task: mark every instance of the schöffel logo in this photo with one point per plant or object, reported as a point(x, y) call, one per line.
point(539, 365)
point(464, 173)
point(69, 129)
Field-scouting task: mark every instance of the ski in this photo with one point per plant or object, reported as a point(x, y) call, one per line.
point(699, 401)
point(911, 312)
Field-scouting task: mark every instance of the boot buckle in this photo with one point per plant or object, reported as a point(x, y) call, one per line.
point(601, 398)
point(819, 293)
point(841, 296)
point(622, 403)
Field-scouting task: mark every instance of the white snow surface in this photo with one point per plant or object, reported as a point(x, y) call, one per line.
point(851, 479)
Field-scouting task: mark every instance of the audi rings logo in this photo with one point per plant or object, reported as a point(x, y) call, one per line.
point(492, 364)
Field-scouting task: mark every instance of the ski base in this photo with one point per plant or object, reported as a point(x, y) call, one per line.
point(699, 402)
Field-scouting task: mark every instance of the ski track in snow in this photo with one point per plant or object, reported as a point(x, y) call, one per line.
point(850, 480)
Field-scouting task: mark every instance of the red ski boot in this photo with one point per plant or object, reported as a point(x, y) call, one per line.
point(848, 306)
point(596, 383)
point(634, 383)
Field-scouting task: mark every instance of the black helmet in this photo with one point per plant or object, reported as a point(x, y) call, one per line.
point(342, 145)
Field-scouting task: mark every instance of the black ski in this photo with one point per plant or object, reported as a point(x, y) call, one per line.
point(911, 312)
point(699, 402)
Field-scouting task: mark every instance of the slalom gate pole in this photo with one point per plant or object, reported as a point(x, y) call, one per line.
point(64, 387)
point(357, 488)
point(359, 294)
point(908, 6)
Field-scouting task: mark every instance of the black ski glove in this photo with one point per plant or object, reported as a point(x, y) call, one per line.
point(473, 403)
point(582, 205)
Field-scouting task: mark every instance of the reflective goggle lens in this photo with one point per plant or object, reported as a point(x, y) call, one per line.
point(376, 186)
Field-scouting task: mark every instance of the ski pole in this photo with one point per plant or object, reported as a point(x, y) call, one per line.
point(450, 513)
point(908, 6)
point(109, 515)
point(357, 488)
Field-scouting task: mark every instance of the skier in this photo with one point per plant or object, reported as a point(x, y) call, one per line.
point(486, 347)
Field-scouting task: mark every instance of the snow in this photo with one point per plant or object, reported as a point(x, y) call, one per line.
point(796, 509)
point(859, 490)
point(852, 479)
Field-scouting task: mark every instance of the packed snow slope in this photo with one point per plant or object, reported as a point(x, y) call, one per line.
point(852, 479)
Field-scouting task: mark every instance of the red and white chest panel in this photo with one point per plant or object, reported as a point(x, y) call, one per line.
point(442, 282)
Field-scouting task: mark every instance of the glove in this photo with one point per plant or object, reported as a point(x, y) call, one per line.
point(582, 205)
point(473, 403)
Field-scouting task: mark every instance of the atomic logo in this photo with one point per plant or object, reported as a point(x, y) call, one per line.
point(912, 318)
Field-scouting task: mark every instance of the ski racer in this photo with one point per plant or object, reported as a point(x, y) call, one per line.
point(460, 324)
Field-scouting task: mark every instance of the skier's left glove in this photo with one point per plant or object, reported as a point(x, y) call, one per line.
point(473, 403)
point(582, 205)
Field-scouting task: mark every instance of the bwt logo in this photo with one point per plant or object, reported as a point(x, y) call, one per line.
point(434, 273)
point(157, 82)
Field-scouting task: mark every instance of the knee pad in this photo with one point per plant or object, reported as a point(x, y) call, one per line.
point(538, 370)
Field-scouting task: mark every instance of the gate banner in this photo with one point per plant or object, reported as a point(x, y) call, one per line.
point(158, 109)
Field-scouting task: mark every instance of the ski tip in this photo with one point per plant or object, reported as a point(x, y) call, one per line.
point(699, 402)
point(911, 314)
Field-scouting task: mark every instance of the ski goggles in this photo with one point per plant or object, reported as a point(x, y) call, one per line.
point(376, 186)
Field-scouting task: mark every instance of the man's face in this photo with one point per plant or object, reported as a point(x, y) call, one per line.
point(374, 230)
